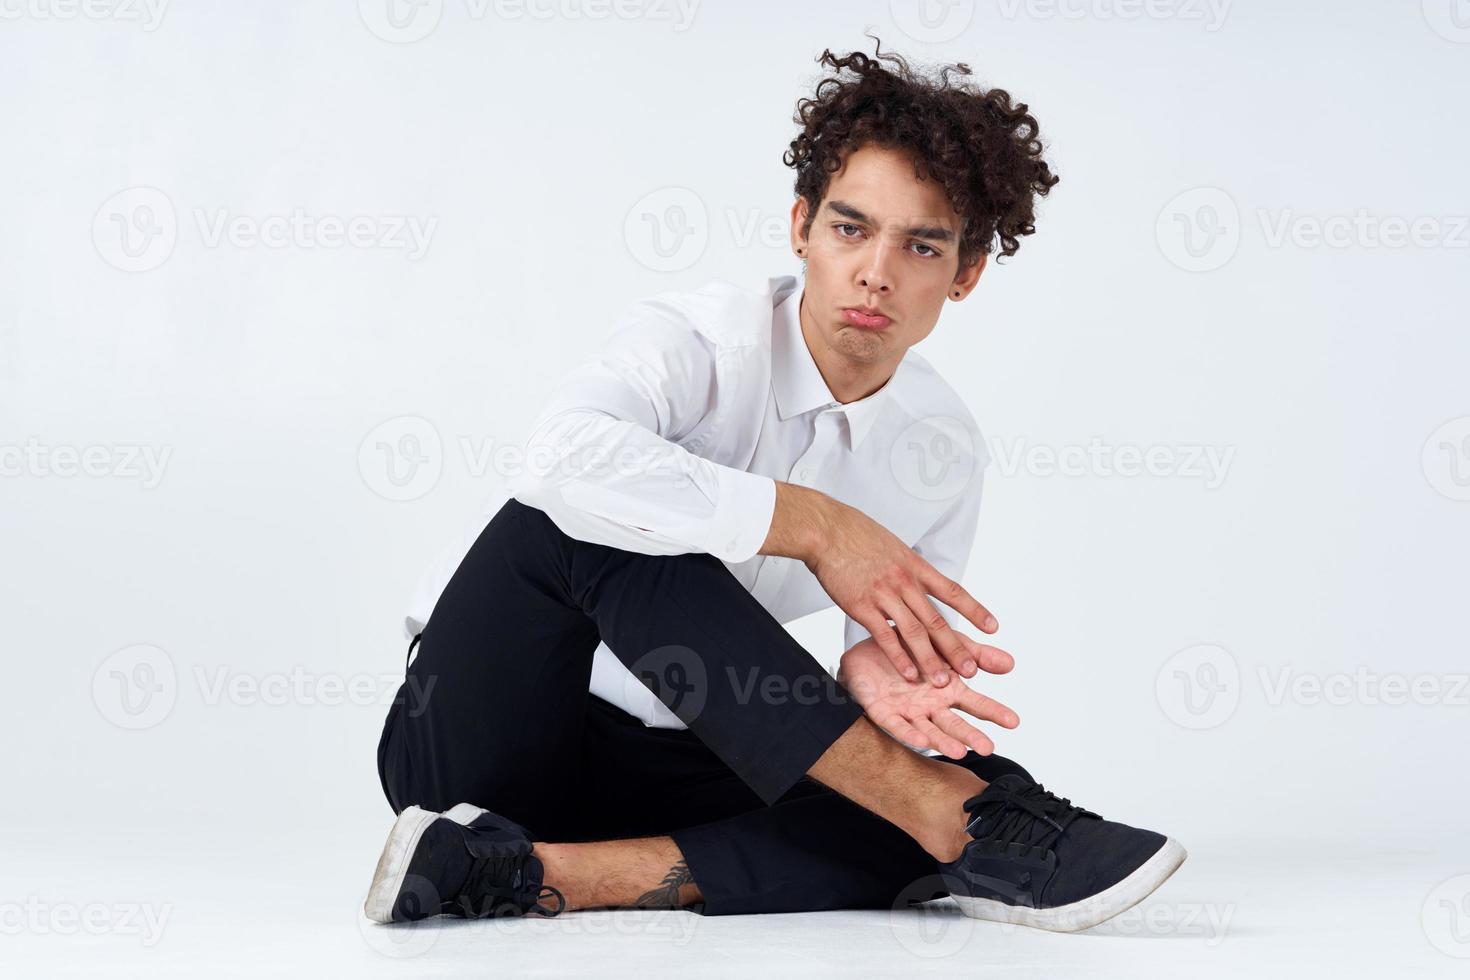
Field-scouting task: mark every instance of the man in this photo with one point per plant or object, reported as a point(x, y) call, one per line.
point(617, 715)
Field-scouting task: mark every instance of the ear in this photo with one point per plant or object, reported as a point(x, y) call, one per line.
point(966, 278)
point(798, 218)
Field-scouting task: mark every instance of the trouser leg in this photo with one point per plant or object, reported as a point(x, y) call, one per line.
point(812, 850)
point(815, 850)
point(492, 708)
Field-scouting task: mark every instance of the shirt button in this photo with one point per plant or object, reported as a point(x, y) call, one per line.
point(730, 545)
point(805, 472)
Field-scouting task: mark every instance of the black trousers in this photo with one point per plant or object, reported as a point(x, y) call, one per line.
point(495, 711)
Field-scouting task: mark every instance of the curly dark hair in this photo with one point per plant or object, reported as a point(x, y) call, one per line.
point(983, 148)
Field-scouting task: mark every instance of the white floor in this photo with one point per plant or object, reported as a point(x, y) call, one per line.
point(105, 903)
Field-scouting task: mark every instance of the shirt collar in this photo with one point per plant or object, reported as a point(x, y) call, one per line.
point(798, 384)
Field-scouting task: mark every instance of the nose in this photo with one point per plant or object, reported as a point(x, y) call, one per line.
point(875, 274)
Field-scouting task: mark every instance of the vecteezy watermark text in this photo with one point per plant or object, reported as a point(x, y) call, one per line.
point(137, 687)
point(37, 917)
point(136, 229)
point(407, 21)
point(1210, 13)
point(126, 461)
point(147, 13)
point(1201, 229)
point(1208, 464)
point(1201, 686)
point(403, 458)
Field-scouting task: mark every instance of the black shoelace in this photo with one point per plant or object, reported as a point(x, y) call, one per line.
point(499, 884)
point(1026, 814)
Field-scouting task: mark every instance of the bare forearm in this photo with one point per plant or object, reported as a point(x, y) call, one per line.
point(801, 526)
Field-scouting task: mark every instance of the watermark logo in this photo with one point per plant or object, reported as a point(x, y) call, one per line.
point(401, 21)
point(417, 894)
point(1199, 687)
point(407, 21)
point(37, 917)
point(405, 940)
point(135, 230)
point(932, 21)
point(298, 686)
point(670, 229)
point(676, 926)
point(1446, 917)
point(1199, 230)
point(1192, 920)
point(1208, 464)
point(667, 230)
point(404, 457)
point(1210, 13)
point(675, 675)
point(127, 461)
point(817, 687)
point(1363, 686)
point(136, 687)
point(680, 13)
point(673, 926)
point(146, 13)
point(406, 233)
point(1446, 459)
point(1450, 19)
point(401, 459)
point(925, 927)
point(933, 458)
point(1362, 229)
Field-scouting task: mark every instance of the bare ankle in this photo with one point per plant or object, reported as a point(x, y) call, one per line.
point(924, 797)
point(644, 872)
point(945, 836)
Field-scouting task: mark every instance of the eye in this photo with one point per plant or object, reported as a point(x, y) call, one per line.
point(843, 225)
point(931, 253)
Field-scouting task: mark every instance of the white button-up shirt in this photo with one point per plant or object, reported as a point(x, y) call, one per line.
point(671, 441)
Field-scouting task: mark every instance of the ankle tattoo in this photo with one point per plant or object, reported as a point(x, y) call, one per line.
point(666, 895)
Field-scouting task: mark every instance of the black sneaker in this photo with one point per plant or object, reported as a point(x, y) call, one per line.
point(1039, 861)
point(466, 862)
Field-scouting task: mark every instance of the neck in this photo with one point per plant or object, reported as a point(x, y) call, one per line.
point(848, 380)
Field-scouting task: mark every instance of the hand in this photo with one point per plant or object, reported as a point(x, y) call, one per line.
point(918, 713)
point(874, 577)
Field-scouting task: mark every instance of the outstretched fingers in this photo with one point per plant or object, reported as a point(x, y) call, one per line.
point(992, 660)
point(900, 728)
point(954, 595)
point(986, 708)
point(962, 731)
point(941, 740)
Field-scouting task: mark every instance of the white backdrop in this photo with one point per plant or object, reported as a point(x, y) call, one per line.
point(277, 280)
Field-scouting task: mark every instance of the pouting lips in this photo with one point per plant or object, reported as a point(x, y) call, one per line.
point(875, 321)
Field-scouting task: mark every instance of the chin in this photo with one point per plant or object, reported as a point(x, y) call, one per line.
point(859, 344)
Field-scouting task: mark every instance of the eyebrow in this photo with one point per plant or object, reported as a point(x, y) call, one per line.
point(931, 232)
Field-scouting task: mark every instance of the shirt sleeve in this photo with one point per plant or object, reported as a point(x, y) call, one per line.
point(604, 461)
point(947, 546)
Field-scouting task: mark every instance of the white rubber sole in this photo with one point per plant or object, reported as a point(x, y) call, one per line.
point(403, 840)
point(1092, 910)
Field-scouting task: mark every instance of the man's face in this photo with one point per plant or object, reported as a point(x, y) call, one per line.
point(881, 239)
